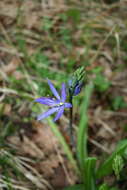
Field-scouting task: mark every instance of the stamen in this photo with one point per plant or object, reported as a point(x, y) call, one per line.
point(61, 103)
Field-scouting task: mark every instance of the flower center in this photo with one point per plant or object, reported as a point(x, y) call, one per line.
point(61, 103)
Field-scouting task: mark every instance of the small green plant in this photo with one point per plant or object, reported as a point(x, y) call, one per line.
point(118, 165)
point(85, 165)
point(90, 173)
point(118, 102)
point(101, 83)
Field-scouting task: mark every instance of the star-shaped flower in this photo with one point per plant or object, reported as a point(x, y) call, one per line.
point(56, 105)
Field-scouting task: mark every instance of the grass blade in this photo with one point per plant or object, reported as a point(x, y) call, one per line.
point(82, 131)
point(61, 139)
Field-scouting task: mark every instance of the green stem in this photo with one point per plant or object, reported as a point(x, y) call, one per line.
point(71, 121)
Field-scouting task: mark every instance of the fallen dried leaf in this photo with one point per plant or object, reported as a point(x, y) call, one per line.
point(11, 67)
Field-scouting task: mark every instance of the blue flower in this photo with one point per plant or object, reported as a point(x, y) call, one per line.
point(75, 88)
point(56, 105)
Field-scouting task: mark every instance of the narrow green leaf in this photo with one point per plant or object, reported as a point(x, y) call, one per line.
point(90, 167)
point(104, 187)
point(82, 131)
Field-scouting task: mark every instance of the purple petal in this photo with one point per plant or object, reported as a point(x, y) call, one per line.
point(63, 93)
point(54, 91)
point(47, 101)
point(47, 113)
point(60, 113)
point(77, 89)
point(68, 105)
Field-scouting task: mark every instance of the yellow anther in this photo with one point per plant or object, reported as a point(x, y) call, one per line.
point(61, 103)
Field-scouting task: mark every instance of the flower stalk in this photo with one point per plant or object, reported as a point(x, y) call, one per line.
point(75, 84)
point(71, 121)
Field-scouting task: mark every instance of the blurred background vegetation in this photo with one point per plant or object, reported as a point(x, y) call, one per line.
point(49, 39)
